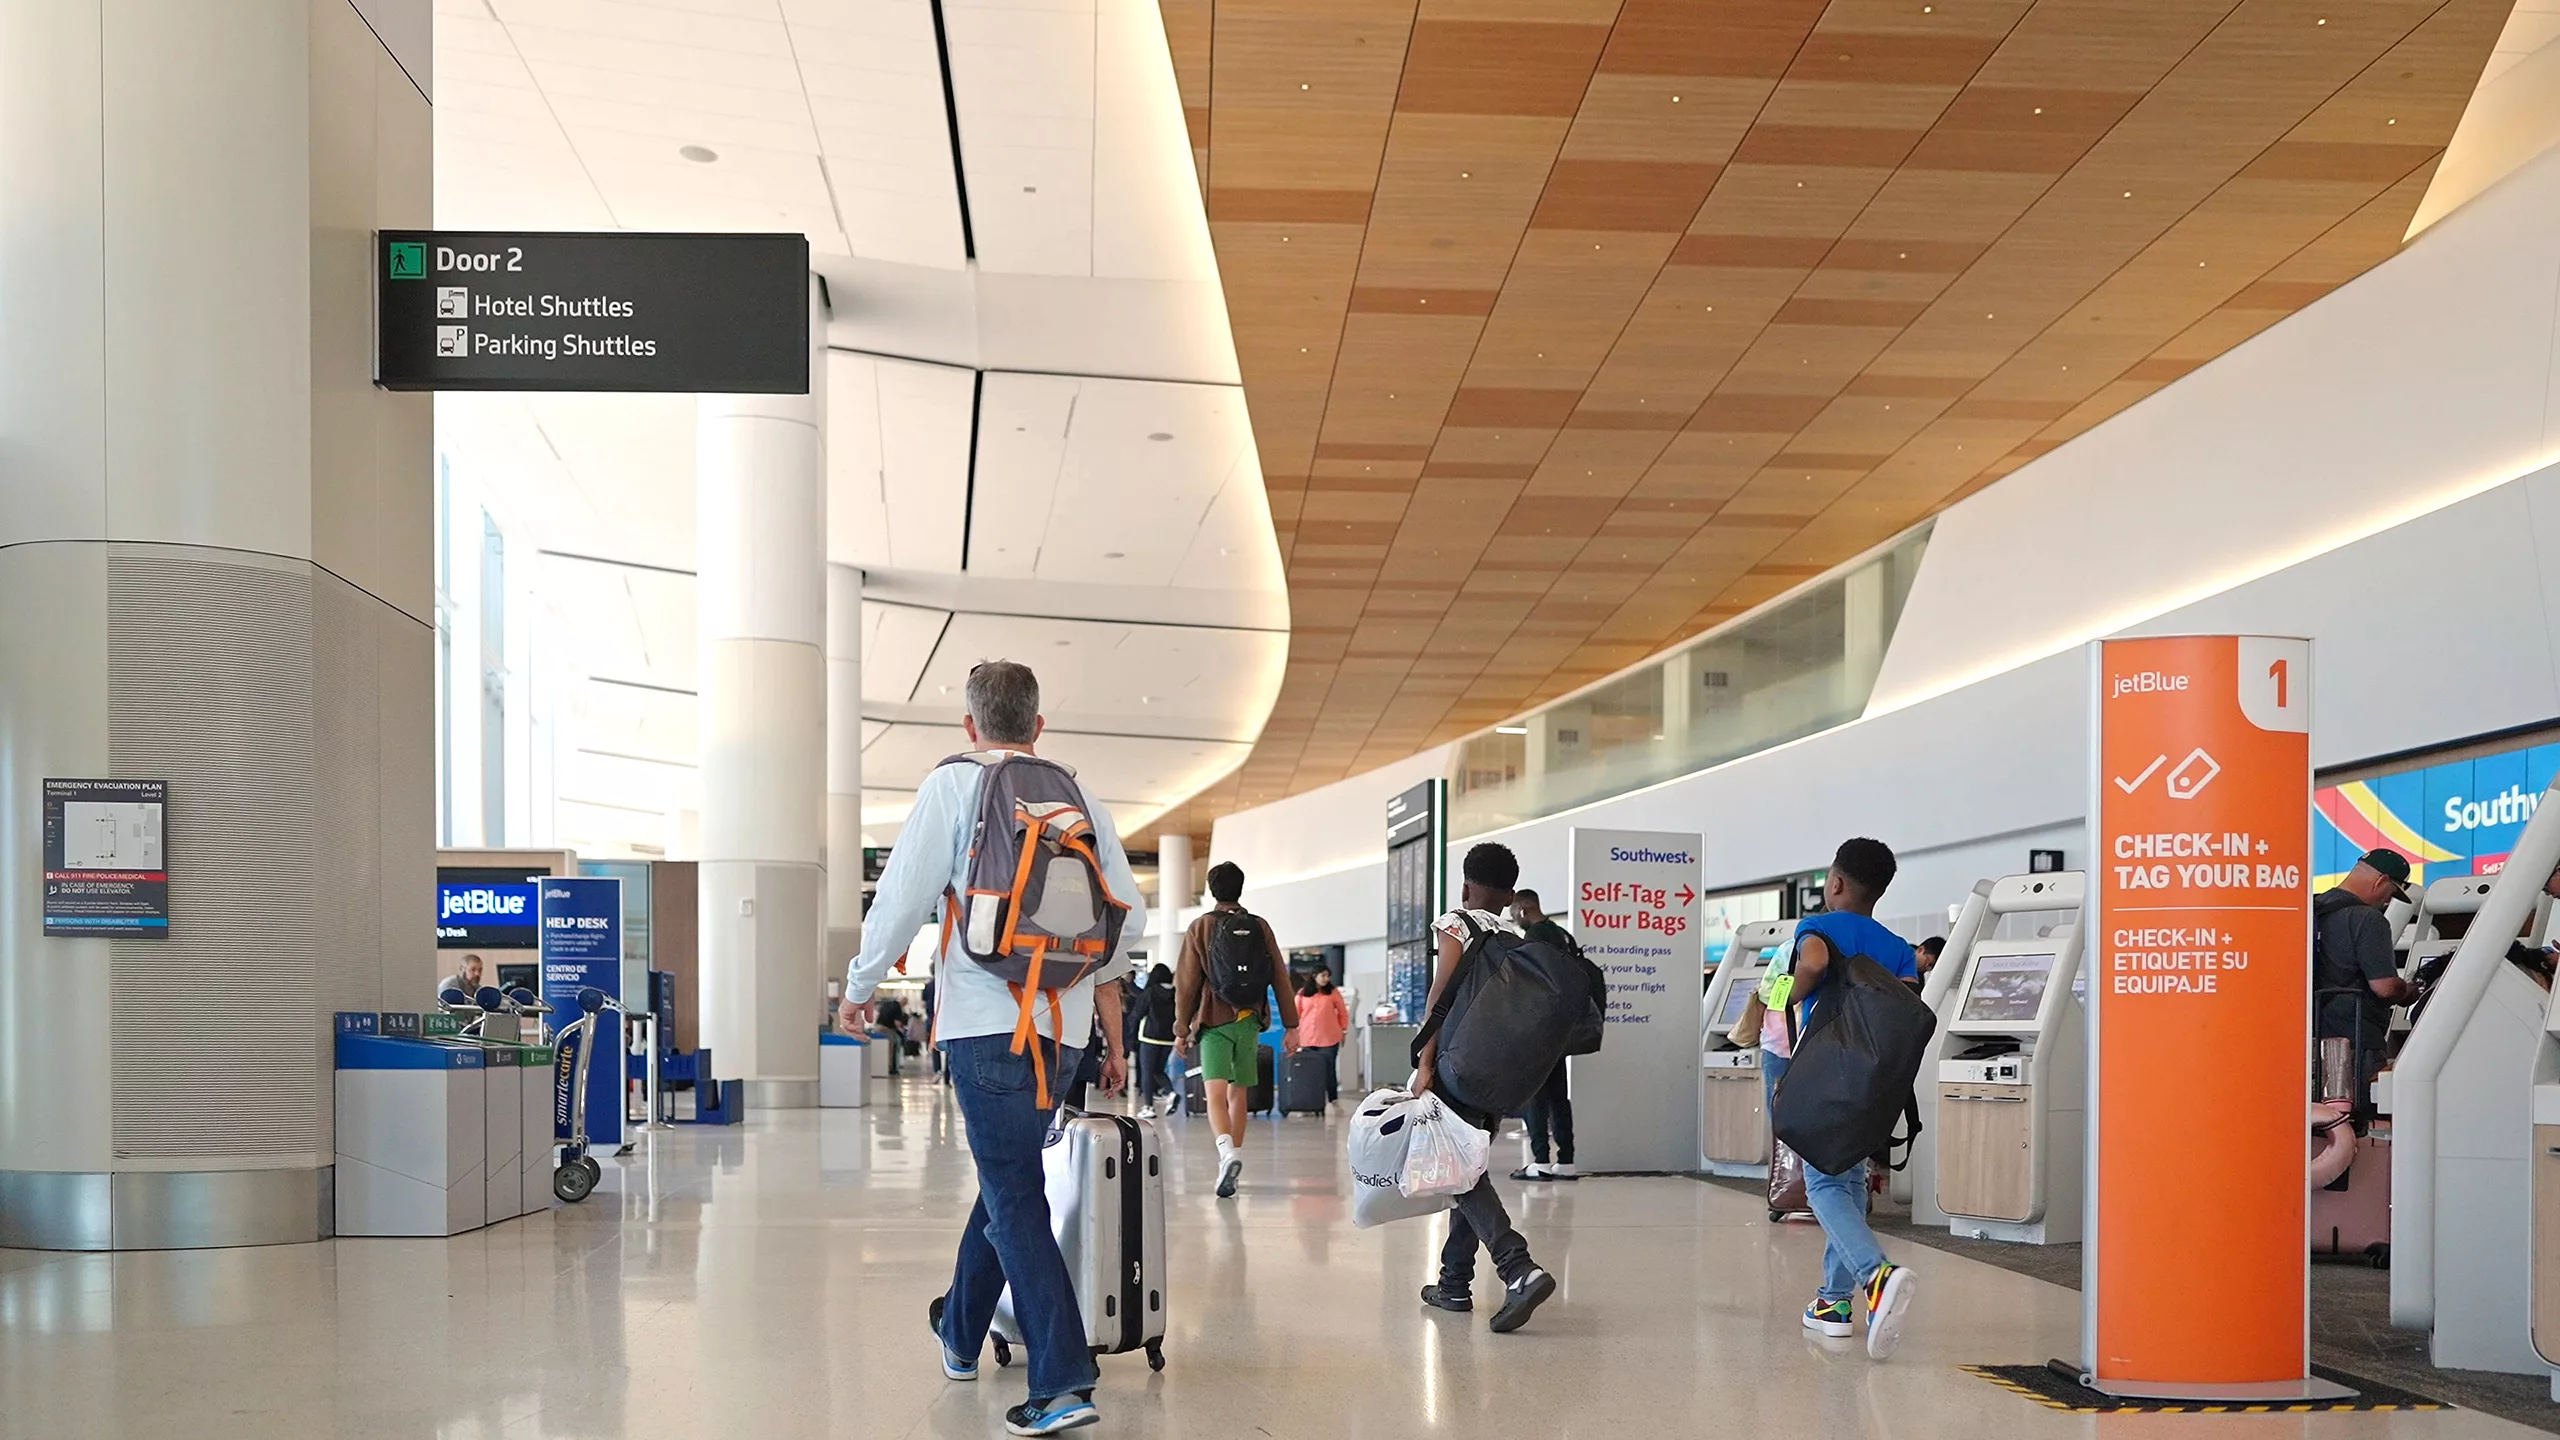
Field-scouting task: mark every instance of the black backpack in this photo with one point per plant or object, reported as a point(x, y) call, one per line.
point(1238, 957)
point(1515, 1008)
point(1852, 1073)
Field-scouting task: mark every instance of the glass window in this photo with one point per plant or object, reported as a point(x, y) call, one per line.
point(1802, 664)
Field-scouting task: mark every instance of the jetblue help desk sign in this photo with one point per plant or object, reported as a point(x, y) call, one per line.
point(1635, 910)
point(582, 948)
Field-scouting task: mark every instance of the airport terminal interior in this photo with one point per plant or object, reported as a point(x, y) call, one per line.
point(1306, 718)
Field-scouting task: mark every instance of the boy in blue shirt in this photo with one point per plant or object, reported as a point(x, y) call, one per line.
point(1852, 1263)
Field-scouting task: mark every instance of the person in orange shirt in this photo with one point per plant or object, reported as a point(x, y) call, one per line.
point(1323, 1019)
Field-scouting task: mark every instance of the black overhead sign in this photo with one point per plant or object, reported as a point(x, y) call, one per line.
point(483, 310)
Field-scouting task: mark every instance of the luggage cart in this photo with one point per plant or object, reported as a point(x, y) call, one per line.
point(573, 1052)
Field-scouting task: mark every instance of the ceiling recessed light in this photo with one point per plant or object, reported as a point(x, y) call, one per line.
point(698, 154)
point(1160, 435)
point(1115, 555)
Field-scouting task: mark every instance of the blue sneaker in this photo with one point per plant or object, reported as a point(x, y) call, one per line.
point(954, 1366)
point(1048, 1417)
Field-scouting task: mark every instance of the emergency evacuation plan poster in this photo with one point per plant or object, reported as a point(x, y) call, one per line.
point(2201, 849)
point(106, 867)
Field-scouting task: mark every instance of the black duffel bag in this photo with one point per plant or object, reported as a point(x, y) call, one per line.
point(1511, 1012)
point(1852, 1072)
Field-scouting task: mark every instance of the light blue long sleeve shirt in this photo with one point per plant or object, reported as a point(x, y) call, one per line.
point(931, 858)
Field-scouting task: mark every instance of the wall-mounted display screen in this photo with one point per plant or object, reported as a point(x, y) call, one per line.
point(488, 909)
point(2007, 989)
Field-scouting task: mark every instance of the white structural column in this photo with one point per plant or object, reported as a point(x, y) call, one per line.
point(216, 539)
point(844, 766)
point(1174, 890)
point(761, 511)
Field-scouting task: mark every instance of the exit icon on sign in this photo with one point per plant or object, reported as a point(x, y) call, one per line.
point(408, 260)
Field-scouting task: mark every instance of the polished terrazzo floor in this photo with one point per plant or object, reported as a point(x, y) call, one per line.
point(770, 1281)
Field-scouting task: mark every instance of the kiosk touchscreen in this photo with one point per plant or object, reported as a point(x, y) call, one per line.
point(1733, 1104)
point(2012, 1082)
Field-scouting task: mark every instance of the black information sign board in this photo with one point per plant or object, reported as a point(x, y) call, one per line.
point(1414, 883)
point(106, 858)
point(607, 310)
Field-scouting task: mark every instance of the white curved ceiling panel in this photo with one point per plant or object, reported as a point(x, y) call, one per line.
point(897, 643)
point(1099, 675)
point(1148, 220)
point(874, 82)
point(1022, 76)
point(1073, 484)
point(1121, 770)
point(897, 461)
point(1234, 548)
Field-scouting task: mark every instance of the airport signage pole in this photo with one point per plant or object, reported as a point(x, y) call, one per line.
point(1636, 913)
point(582, 949)
point(614, 310)
point(2198, 1253)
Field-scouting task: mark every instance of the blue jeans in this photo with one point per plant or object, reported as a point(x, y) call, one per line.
point(1849, 1251)
point(1772, 1067)
point(1008, 1238)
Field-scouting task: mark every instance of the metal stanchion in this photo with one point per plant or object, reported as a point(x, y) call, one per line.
point(656, 1098)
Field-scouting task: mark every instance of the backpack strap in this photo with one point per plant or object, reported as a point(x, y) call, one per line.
point(1910, 1137)
point(1026, 1029)
point(1439, 1015)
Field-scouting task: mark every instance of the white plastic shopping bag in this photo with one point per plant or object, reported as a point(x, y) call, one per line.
point(1445, 1156)
point(1378, 1136)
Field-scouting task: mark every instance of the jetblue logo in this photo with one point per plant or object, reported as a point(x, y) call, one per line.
point(492, 901)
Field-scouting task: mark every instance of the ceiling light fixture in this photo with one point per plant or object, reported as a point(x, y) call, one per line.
point(1160, 435)
point(698, 154)
point(1510, 729)
point(1115, 554)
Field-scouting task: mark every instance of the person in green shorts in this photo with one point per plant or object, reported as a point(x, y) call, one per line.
point(1225, 1037)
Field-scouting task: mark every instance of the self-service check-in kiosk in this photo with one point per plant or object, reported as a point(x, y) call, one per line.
point(1733, 1103)
point(2012, 1073)
point(2468, 1143)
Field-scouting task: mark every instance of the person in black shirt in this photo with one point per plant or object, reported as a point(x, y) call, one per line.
point(1550, 1113)
point(2355, 976)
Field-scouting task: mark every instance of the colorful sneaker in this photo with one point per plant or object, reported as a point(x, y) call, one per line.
point(1441, 1297)
point(1829, 1317)
point(1048, 1417)
point(954, 1367)
point(1888, 1298)
point(1521, 1299)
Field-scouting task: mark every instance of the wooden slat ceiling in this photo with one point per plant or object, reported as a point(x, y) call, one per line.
point(1572, 327)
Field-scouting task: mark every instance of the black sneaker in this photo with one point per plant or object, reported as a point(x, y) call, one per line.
point(1521, 1300)
point(1441, 1297)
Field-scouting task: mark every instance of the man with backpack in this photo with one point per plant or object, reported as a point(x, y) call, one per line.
point(1853, 1264)
point(1505, 1010)
point(1048, 897)
point(1231, 967)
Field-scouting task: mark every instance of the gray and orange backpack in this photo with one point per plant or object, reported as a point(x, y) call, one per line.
point(1038, 911)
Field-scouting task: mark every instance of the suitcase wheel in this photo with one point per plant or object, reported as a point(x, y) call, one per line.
point(1777, 1217)
point(1155, 1354)
point(1004, 1351)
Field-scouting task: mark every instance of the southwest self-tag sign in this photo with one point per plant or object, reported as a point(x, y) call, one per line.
point(606, 311)
point(2199, 1020)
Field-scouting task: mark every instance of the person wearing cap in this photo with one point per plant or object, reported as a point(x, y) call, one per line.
point(2355, 974)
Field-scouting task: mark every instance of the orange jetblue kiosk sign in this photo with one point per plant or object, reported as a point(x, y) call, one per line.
point(2199, 1015)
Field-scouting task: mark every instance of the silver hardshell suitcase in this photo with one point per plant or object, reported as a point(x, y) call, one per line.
point(1105, 1182)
